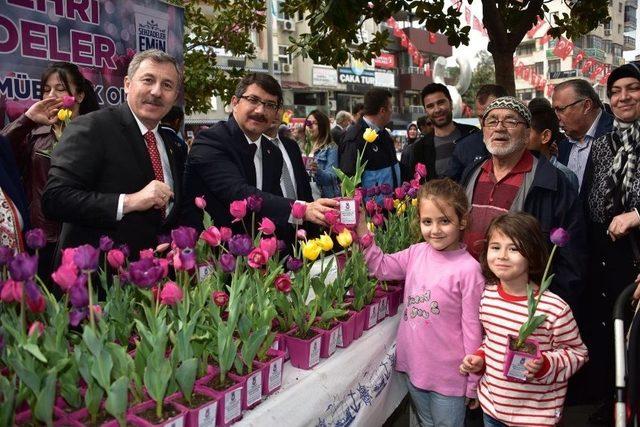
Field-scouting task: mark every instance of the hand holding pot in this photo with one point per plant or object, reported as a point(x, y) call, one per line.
point(533, 367)
point(471, 364)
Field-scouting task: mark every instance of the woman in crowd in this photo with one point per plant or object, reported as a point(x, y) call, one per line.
point(613, 222)
point(33, 136)
point(406, 159)
point(325, 154)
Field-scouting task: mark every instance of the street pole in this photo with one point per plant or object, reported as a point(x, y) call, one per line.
point(270, 36)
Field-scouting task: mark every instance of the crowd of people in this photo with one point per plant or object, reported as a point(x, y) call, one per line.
point(489, 201)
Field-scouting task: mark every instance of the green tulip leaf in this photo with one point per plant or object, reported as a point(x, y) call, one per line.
point(45, 399)
point(117, 396)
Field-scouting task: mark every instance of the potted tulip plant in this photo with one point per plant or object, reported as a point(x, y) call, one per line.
point(522, 348)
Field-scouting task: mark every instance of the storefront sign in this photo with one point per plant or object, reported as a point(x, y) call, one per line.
point(385, 79)
point(322, 76)
point(346, 75)
point(385, 60)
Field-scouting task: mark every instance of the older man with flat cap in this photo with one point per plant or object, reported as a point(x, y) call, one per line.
point(512, 179)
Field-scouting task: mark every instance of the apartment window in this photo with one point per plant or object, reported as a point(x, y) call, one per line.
point(620, 7)
point(283, 56)
point(607, 25)
point(526, 49)
point(538, 67)
point(554, 65)
point(606, 46)
point(617, 49)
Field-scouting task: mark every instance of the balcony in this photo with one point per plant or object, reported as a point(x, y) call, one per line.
point(629, 43)
point(412, 78)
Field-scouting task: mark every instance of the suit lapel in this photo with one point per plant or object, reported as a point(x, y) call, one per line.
point(131, 132)
point(240, 146)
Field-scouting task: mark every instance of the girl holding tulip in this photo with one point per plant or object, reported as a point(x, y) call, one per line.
point(65, 95)
point(443, 285)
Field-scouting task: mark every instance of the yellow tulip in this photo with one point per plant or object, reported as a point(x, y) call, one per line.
point(311, 249)
point(414, 202)
point(371, 227)
point(396, 203)
point(370, 135)
point(64, 114)
point(401, 209)
point(344, 238)
point(325, 242)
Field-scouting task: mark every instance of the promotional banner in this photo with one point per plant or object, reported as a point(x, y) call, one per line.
point(99, 36)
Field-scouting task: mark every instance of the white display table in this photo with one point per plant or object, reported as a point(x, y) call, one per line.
point(356, 386)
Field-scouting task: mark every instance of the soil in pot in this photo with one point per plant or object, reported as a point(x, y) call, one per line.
point(197, 400)
point(310, 334)
point(149, 414)
point(102, 417)
point(527, 347)
point(216, 384)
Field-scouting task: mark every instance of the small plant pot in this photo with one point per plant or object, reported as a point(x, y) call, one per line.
point(358, 323)
point(515, 358)
point(305, 353)
point(329, 340)
point(143, 415)
point(25, 417)
point(272, 371)
point(345, 338)
point(251, 387)
point(371, 315)
point(382, 298)
point(81, 418)
point(204, 410)
point(229, 397)
point(395, 294)
point(281, 337)
point(348, 211)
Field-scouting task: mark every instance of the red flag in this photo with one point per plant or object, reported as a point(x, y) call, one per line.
point(603, 80)
point(550, 89)
point(544, 39)
point(404, 40)
point(411, 49)
point(467, 15)
point(577, 58)
point(590, 62)
point(541, 84)
point(563, 48)
point(397, 31)
point(595, 73)
point(526, 73)
point(457, 4)
point(391, 22)
point(534, 29)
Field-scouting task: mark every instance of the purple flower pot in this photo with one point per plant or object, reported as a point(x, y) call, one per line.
point(358, 323)
point(272, 372)
point(134, 415)
point(251, 387)
point(514, 360)
point(382, 298)
point(229, 400)
point(305, 354)
point(81, 418)
point(25, 417)
point(345, 338)
point(281, 338)
point(395, 294)
point(204, 415)
point(371, 315)
point(329, 340)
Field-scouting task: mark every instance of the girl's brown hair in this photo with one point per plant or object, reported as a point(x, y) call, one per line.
point(324, 127)
point(447, 191)
point(526, 234)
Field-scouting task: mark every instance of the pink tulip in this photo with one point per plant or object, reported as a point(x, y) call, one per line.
point(146, 253)
point(366, 240)
point(65, 276)
point(371, 206)
point(212, 236)
point(171, 294)
point(68, 101)
point(267, 226)
point(298, 210)
point(201, 203)
point(283, 283)
point(415, 183)
point(388, 203)
point(11, 291)
point(421, 170)
point(36, 328)
point(269, 245)
point(225, 233)
point(67, 256)
point(238, 209)
point(301, 234)
point(257, 258)
point(115, 257)
point(164, 263)
point(377, 219)
point(400, 193)
point(332, 217)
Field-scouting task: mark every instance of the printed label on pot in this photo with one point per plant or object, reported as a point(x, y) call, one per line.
point(333, 339)
point(314, 352)
point(276, 344)
point(348, 212)
point(204, 270)
point(384, 307)
point(207, 415)
point(232, 405)
point(339, 341)
point(178, 422)
point(254, 388)
point(275, 374)
point(373, 315)
point(516, 368)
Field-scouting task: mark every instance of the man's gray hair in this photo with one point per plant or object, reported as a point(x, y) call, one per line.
point(156, 56)
point(342, 116)
point(582, 88)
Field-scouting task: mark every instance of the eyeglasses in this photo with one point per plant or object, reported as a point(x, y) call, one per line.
point(560, 110)
point(255, 101)
point(507, 123)
point(309, 123)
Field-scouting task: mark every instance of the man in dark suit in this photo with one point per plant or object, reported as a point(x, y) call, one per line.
point(233, 160)
point(343, 120)
point(114, 173)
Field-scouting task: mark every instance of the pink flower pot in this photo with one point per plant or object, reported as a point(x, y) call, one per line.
point(329, 340)
point(204, 415)
point(25, 417)
point(229, 400)
point(371, 315)
point(251, 388)
point(81, 418)
point(395, 294)
point(135, 415)
point(272, 372)
point(358, 323)
point(305, 354)
point(382, 298)
point(345, 338)
point(514, 360)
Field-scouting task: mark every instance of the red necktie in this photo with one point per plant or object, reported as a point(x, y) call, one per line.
point(156, 163)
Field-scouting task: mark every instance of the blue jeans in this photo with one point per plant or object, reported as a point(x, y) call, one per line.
point(436, 410)
point(489, 421)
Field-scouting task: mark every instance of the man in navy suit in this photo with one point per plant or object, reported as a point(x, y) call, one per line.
point(233, 160)
point(114, 172)
point(583, 121)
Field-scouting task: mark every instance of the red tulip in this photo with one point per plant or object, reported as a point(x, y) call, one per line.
point(220, 298)
point(65, 276)
point(225, 233)
point(212, 236)
point(171, 294)
point(36, 328)
point(283, 283)
point(269, 245)
point(257, 257)
point(332, 217)
point(298, 210)
point(421, 170)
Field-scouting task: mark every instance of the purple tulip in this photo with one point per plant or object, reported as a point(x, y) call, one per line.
point(282, 246)
point(106, 244)
point(35, 238)
point(6, 255)
point(294, 264)
point(412, 192)
point(78, 296)
point(559, 237)
point(31, 290)
point(188, 259)
point(386, 189)
point(77, 315)
point(86, 258)
point(124, 248)
point(240, 245)
point(184, 237)
point(23, 267)
point(254, 203)
point(227, 263)
point(146, 272)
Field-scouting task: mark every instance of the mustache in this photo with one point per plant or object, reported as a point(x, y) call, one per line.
point(154, 101)
point(258, 118)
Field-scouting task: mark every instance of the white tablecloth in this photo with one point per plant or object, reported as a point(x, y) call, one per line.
point(356, 386)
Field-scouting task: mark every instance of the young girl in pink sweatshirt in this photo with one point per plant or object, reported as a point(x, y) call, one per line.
point(443, 287)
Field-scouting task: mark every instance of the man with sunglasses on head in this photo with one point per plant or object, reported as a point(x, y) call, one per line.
point(233, 160)
point(511, 179)
point(583, 120)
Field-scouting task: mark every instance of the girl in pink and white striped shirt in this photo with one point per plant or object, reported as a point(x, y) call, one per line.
point(515, 255)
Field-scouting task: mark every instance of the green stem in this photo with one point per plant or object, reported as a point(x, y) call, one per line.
point(23, 314)
point(159, 409)
point(92, 320)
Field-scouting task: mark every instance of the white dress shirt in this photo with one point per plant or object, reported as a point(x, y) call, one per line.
point(285, 156)
point(257, 160)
